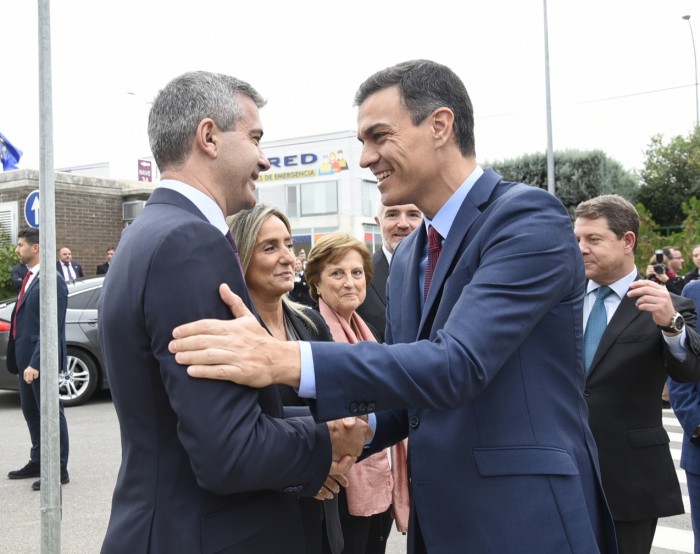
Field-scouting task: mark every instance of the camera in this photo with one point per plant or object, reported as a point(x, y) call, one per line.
point(659, 266)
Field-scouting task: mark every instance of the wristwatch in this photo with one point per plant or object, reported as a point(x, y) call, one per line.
point(676, 326)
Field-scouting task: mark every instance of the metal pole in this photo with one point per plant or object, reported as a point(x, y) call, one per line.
point(695, 59)
point(50, 465)
point(550, 151)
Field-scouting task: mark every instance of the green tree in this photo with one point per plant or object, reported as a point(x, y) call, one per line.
point(8, 259)
point(670, 177)
point(650, 238)
point(578, 175)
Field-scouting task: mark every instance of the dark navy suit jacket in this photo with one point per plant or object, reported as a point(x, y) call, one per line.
point(25, 350)
point(207, 466)
point(685, 399)
point(486, 379)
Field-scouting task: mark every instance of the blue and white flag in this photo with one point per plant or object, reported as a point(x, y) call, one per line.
point(9, 155)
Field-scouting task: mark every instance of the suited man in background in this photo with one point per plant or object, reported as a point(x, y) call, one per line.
point(18, 273)
point(206, 467)
point(67, 267)
point(24, 354)
point(685, 400)
point(103, 268)
point(483, 366)
point(395, 223)
point(644, 335)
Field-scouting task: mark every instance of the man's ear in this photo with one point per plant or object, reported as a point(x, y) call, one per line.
point(443, 125)
point(206, 138)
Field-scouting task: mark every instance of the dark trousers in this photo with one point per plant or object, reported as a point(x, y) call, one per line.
point(363, 535)
point(30, 401)
point(635, 537)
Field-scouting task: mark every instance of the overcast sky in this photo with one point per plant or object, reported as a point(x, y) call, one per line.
point(621, 70)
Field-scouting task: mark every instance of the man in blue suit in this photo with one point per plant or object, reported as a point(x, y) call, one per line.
point(24, 354)
point(483, 368)
point(685, 400)
point(206, 467)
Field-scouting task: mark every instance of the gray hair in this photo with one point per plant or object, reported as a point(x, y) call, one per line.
point(185, 101)
point(245, 227)
point(426, 86)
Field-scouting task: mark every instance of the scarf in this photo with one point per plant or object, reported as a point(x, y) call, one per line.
point(373, 485)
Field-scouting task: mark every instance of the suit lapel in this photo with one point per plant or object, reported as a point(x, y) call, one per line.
point(626, 312)
point(457, 240)
point(31, 286)
point(410, 300)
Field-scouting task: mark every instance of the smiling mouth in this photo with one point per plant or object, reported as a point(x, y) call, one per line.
point(383, 174)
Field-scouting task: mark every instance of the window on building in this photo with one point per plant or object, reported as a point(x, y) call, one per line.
point(319, 198)
point(370, 198)
point(372, 237)
point(292, 200)
point(9, 226)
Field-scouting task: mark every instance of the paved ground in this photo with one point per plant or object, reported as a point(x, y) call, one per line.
point(94, 462)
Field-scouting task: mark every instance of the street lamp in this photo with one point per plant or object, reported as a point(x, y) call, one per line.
point(550, 150)
point(695, 58)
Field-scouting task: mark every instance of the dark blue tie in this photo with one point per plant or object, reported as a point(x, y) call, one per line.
point(597, 322)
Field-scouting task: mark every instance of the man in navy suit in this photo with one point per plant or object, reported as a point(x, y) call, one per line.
point(395, 223)
point(24, 354)
point(18, 273)
point(67, 267)
point(206, 466)
point(685, 400)
point(483, 367)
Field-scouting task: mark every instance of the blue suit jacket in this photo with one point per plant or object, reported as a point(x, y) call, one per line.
point(25, 350)
point(490, 370)
point(685, 399)
point(207, 466)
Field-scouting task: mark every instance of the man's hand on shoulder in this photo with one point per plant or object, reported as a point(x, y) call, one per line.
point(238, 350)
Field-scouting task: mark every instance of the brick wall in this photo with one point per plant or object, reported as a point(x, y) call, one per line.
point(88, 211)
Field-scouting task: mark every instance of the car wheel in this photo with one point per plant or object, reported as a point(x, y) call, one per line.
point(79, 382)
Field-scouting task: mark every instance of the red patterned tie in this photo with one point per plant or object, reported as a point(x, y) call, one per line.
point(19, 301)
point(434, 249)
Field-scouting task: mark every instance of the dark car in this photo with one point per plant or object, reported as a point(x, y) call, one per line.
point(85, 373)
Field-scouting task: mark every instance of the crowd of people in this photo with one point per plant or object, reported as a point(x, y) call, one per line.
point(491, 362)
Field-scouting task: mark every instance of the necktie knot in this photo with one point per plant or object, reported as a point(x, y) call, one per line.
point(603, 292)
point(434, 240)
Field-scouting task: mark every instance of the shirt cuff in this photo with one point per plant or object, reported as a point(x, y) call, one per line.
point(307, 384)
point(676, 345)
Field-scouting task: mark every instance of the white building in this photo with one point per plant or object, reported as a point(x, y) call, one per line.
point(318, 182)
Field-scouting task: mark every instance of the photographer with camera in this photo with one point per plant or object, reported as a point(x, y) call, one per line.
point(664, 266)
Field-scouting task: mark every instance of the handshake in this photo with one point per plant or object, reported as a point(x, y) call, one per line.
point(348, 438)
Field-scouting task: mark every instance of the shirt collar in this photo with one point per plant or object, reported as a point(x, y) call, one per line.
point(619, 287)
point(204, 203)
point(445, 217)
